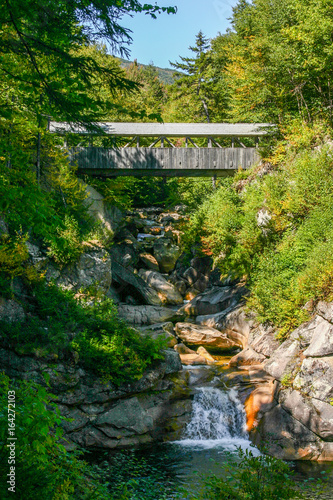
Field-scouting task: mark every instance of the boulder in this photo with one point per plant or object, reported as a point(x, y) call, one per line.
point(92, 268)
point(202, 335)
point(149, 261)
point(148, 315)
point(11, 311)
point(124, 254)
point(247, 357)
point(133, 283)
point(127, 415)
point(233, 321)
point(193, 359)
point(166, 254)
point(325, 309)
point(183, 349)
point(216, 300)
point(205, 354)
point(165, 290)
point(190, 357)
point(265, 342)
point(110, 216)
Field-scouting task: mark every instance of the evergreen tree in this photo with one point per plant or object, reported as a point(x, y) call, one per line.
point(192, 84)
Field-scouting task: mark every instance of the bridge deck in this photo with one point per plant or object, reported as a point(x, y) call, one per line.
point(165, 162)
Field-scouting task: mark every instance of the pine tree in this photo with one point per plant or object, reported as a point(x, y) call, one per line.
point(192, 82)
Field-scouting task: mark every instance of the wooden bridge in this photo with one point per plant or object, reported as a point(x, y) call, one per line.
point(167, 160)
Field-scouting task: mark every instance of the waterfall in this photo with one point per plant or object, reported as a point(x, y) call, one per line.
point(218, 417)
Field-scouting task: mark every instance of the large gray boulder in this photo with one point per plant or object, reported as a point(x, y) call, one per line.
point(322, 339)
point(166, 254)
point(165, 290)
point(132, 282)
point(148, 315)
point(233, 321)
point(325, 310)
point(108, 215)
point(284, 361)
point(204, 336)
point(216, 300)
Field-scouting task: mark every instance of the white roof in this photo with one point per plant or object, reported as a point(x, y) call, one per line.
point(169, 129)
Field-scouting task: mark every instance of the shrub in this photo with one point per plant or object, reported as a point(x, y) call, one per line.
point(257, 478)
point(43, 468)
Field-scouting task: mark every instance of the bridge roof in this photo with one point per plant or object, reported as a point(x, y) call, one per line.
point(169, 129)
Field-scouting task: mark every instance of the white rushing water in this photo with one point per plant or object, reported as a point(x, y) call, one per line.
point(218, 419)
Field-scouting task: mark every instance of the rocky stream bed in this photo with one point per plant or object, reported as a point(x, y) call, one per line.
point(279, 394)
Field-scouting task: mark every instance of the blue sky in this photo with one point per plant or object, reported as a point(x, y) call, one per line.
point(169, 36)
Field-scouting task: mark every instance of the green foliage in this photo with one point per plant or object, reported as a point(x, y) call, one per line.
point(276, 229)
point(105, 344)
point(133, 478)
point(43, 468)
point(256, 478)
point(66, 246)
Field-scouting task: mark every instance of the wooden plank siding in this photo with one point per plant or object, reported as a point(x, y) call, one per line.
point(163, 162)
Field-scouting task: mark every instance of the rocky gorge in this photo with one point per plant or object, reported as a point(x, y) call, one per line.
point(286, 388)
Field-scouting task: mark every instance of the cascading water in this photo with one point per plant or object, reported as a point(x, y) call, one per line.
point(218, 418)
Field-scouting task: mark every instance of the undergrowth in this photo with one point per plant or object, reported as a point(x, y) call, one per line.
point(275, 228)
point(86, 330)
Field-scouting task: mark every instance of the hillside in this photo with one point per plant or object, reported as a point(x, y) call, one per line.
point(165, 74)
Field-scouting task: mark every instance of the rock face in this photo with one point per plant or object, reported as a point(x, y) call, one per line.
point(92, 268)
point(296, 421)
point(156, 407)
point(204, 336)
point(109, 216)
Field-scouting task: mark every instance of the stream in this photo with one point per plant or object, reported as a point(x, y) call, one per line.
point(210, 441)
point(217, 425)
